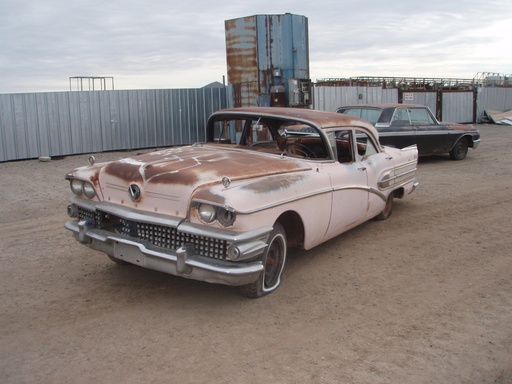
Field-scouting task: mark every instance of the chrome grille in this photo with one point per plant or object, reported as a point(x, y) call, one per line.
point(85, 214)
point(154, 235)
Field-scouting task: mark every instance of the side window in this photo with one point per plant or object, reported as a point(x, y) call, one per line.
point(400, 117)
point(365, 145)
point(420, 116)
point(343, 146)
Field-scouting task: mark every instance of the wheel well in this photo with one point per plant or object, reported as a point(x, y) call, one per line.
point(294, 228)
point(468, 138)
point(399, 193)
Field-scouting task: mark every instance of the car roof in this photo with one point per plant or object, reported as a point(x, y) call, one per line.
point(383, 105)
point(322, 119)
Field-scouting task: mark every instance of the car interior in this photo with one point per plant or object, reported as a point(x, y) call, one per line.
point(289, 138)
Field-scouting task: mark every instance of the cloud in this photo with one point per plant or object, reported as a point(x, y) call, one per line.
point(154, 44)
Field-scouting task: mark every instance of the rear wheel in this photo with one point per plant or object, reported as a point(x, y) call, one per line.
point(460, 150)
point(388, 208)
point(273, 264)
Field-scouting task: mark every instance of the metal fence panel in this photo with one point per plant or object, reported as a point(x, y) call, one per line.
point(428, 99)
point(496, 99)
point(67, 123)
point(457, 107)
point(331, 98)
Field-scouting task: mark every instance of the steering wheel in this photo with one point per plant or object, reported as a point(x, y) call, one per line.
point(298, 149)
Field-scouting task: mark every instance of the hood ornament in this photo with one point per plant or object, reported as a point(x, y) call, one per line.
point(134, 192)
point(226, 181)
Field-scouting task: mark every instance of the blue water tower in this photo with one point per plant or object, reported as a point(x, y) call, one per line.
point(268, 61)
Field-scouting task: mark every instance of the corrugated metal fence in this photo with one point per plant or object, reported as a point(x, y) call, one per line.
point(496, 99)
point(331, 98)
point(456, 107)
point(65, 123)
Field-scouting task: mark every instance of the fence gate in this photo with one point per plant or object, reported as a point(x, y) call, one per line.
point(458, 106)
point(454, 106)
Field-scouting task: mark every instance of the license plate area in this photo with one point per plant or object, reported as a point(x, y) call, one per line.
point(128, 253)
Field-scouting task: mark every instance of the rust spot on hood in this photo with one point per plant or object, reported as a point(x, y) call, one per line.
point(194, 165)
point(274, 183)
point(208, 195)
point(124, 171)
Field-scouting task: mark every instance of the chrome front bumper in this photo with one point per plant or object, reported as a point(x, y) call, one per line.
point(182, 262)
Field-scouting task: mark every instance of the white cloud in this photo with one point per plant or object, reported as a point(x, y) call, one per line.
point(154, 44)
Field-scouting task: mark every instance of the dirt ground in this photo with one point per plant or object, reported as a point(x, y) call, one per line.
point(423, 297)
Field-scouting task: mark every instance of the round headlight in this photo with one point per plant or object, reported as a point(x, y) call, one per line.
point(89, 191)
point(233, 253)
point(77, 186)
point(207, 212)
point(225, 217)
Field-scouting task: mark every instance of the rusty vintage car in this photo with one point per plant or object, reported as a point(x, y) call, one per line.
point(227, 210)
point(401, 125)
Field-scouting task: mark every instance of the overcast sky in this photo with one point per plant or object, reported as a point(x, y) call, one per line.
point(151, 44)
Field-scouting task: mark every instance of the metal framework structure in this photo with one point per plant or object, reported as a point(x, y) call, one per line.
point(90, 83)
point(493, 79)
point(482, 79)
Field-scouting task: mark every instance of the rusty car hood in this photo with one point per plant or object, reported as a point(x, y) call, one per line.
point(198, 164)
point(168, 178)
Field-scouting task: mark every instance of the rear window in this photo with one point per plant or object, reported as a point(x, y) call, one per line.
point(371, 115)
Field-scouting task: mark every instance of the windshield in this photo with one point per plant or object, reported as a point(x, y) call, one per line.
point(272, 135)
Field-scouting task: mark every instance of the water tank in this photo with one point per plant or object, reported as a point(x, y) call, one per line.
point(263, 52)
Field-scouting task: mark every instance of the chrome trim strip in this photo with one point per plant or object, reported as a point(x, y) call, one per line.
point(425, 132)
point(268, 206)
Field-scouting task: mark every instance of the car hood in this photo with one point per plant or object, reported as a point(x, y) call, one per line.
point(169, 178)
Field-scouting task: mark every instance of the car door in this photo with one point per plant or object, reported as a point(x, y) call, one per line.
point(431, 137)
point(377, 167)
point(349, 185)
point(400, 133)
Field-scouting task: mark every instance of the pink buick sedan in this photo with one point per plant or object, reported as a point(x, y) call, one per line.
point(226, 211)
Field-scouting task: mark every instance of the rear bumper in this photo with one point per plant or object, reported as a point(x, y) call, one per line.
point(182, 262)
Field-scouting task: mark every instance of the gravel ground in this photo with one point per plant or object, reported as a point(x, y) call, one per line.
point(423, 297)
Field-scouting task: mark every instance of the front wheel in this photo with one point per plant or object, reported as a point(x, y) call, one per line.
point(460, 150)
point(273, 264)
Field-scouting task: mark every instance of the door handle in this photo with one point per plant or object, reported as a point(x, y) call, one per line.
point(362, 168)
